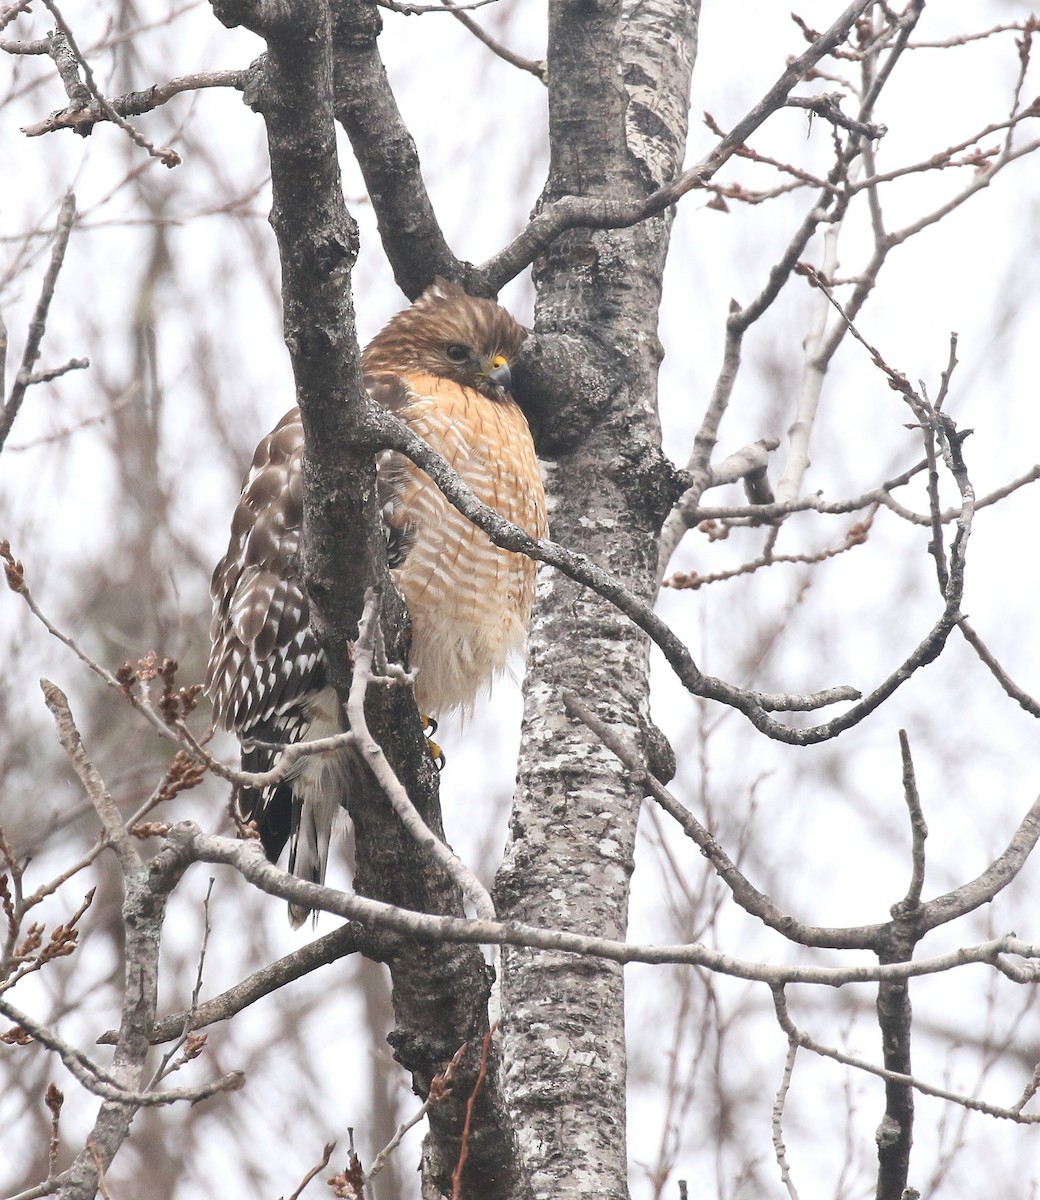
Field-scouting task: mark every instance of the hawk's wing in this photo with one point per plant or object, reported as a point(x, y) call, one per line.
point(265, 657)
point(266, 669)
point(265, 666)
point(439, 365)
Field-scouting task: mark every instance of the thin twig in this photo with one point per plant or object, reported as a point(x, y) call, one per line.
point(392, 787)
point(1029, 1091)
point(317, 1169)
point(962, 39)
point(1021, 697)
point(456, 1176)
point(438, 1088)
point(15, 573)
point(829, 205)
point(104, 805)
point(778, 1118)
point(10, 11)
point(167, 156)
point(102, 1187)
point(83, 118)
point(63, 941)
point(289, 754)
point(54, 1100)
point(51, 373)
point(415, 10)
point(944, 382)
point(856, 536)
point(762, 514)
point(537, 69)
point(38, 324)
point(97, 1080)
point(188, 1027)
point(918, 829)
point(969, 1102)
point(271, 978)
point(61, 434)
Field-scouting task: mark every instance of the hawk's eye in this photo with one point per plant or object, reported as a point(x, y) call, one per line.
point(457, 352)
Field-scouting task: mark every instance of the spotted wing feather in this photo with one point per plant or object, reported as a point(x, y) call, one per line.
point(265, 664)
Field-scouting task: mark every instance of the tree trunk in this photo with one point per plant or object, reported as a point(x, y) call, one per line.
point(570, 854)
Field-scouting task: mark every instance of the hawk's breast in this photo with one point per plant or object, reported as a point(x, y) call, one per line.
point(469, 600)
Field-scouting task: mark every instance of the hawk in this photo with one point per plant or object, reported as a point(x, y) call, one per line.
point(443, 367)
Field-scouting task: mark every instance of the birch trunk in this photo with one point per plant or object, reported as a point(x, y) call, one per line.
point(618, 87)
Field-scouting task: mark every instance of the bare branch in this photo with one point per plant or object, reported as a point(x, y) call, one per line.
point(749, 898)
point(68, 735)
point(778, 1118)
point(289, 755)
point(188, 842)
point(572, 212)
point(980, 181)
point(947, 375)
point(395, 435)
point(341, 942)
point(81, 92)
point(1023, 699)
point(414, 10)
point(829, 206)
point(829, 108)
point(100, 1082)
point(45, 376)
point(918, 830)
point(537, 69)
point(38, 324)
point(926, 1089)
point(82, 117)
point(374, 758)
point(10, 11)
point(993, 879)
point(1028, 1092)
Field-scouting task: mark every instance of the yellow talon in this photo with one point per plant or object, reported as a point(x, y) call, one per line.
point(436, 753)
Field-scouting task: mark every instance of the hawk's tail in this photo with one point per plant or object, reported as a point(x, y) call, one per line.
point(317, 804)
point(305, 808)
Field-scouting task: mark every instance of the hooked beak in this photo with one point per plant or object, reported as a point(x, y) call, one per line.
point(500, 374)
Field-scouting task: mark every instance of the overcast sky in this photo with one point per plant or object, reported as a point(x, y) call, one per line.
point(827, 828)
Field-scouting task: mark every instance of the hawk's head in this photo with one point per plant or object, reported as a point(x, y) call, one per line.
point(452, 335)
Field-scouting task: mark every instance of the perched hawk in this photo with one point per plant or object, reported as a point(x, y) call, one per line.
point(443, 367)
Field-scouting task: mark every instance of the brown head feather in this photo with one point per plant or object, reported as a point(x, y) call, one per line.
point(444, 316)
